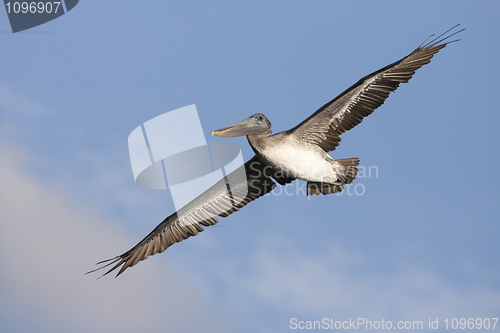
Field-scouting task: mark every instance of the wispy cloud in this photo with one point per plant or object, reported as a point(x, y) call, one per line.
point(15, 102)
point(48, 241)
point(335, 285)
point(60, 149)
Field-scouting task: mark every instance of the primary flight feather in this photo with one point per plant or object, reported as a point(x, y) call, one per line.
point(299, 153)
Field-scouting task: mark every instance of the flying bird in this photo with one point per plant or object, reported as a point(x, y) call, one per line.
point(299, 153)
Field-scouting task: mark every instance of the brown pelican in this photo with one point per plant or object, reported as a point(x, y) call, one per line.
point(299, 153)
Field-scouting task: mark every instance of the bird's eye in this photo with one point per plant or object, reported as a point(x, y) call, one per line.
point(259, 117)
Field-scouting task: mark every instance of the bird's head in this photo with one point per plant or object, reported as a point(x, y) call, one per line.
point(256, 124)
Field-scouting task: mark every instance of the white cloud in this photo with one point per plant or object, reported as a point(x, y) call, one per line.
point(335, 285)
point(17, 103)
point(47, 242)
point(104, 175)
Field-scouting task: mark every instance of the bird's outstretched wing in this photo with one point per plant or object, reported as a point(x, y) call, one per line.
point(249, 182)
point(347, 110)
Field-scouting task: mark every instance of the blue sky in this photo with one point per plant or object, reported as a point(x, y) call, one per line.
point(420, 242)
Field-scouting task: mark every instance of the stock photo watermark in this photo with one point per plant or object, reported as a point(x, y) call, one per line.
point(171, 149)
point(25, 15)
point(366, 324)
point(297, 187)
point(170, 152)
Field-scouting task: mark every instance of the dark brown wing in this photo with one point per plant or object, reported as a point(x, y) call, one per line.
point(348, 109)
point(231, 193)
